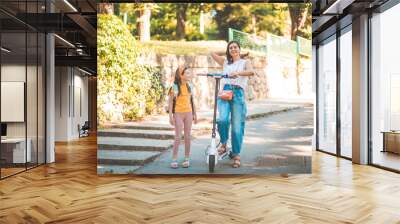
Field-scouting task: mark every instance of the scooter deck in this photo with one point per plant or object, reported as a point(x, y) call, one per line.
point(222, 156)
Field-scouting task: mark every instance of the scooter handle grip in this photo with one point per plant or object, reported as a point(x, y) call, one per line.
point(217, 75)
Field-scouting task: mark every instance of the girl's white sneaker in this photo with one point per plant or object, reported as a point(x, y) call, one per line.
point(186, 163)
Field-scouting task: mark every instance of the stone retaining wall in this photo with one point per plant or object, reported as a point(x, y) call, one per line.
point(274, 78)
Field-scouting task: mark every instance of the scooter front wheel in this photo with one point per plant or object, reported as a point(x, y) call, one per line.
point(211, 163)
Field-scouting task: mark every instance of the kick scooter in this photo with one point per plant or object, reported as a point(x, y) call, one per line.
point(212, 155)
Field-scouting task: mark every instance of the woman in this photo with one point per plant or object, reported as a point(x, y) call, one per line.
point(238, 70)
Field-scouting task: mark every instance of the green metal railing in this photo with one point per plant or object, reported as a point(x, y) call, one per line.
point(273, 44)
point(248, 41)
point(304, 46)
point(281, 46)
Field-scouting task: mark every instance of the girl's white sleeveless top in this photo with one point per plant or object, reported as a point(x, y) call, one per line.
point(236, 66)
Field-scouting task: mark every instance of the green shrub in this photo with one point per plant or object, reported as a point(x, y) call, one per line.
point(126, 89)
point(195, 36)
point(155, 96)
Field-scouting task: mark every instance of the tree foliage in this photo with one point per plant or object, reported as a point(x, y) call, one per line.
point(300, 15)
point(126, 89)
point(181, 21)
point(176, 21)
point(236, 16)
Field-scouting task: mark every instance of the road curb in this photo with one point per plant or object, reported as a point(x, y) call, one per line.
point(261, 115)
point(201, 130)
point(265, 114)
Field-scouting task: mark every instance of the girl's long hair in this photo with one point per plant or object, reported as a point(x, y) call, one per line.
point(228, 55)
point(177, 80)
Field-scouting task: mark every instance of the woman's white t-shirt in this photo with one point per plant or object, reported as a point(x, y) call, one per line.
point(236, 66)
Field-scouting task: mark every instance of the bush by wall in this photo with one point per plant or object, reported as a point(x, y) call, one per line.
point(126, 89)
point(156, 95)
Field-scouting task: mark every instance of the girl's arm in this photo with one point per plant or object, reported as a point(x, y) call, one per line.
point(170, 105)
point(219, 59)
point(194, 112)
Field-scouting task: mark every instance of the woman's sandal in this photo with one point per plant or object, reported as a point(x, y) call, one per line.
point(174, 164)
point(222, 149)
point(236, 162)
point(186, 163)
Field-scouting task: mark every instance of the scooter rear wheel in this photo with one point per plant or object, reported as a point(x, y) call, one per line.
point(211, 163)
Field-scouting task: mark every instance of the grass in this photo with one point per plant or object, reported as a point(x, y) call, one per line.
point(185, 47)
point(189, 47)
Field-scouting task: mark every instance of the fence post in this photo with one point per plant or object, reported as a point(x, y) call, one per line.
point(230, 34)
point(266, 44)
point(298, 65)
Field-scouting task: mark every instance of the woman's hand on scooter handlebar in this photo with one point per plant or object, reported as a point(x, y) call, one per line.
point(233, 75)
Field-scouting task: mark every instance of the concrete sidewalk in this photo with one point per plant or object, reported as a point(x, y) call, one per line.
point(274, 144)
point(126, 147)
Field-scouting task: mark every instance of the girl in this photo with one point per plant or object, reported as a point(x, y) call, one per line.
point(181, 113)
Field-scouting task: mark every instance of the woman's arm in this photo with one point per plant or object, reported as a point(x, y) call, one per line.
point(248, 71)
point(219, 59)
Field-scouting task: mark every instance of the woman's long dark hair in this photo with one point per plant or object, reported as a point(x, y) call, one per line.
point(177, 80)
point(228, 55)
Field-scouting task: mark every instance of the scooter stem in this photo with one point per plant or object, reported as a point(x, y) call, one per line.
point(215, 106)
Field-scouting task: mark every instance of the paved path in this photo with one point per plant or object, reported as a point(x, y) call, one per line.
point(124, 148)
point(279, 143)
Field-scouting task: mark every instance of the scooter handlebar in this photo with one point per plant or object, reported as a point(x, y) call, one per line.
point(215, 75)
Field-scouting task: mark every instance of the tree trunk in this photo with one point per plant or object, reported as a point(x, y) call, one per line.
point(143, 25)
point(298, 65)
point(201, 21)
point(180, 21)
point(125, 18)
point(106, 8)
point(298, 16)
point(253, 24)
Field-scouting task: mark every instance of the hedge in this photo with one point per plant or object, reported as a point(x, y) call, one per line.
point(126, 89)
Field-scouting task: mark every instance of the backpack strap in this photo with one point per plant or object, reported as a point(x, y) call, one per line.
point(190, 87)
point(175, 90)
